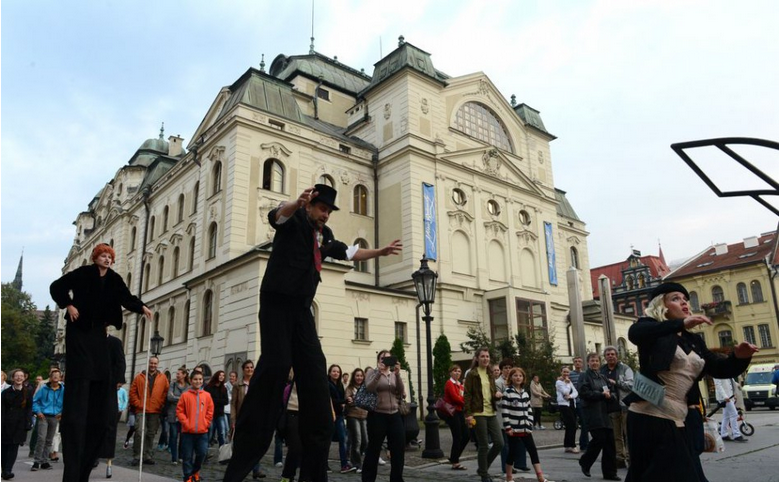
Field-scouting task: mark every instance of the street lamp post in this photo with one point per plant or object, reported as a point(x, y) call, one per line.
point(156, 343)
point(424, 279)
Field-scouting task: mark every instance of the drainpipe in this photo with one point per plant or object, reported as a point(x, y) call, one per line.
point(418, 361)
point(145, 196)
point(376, 224)
point(315, 96)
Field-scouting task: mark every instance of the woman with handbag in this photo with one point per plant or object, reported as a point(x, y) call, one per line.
point(355, 420)
point(385, 421)
point(537, 396)
point(598, 400)
point(451, 409)
point(481, 396)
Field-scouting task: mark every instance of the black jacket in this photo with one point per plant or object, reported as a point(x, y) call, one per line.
point(219, 396)
point(17, 409)
point(117, 359)
point(658, 341)
point(595, 406)
point(291, 268)
point(99, 302)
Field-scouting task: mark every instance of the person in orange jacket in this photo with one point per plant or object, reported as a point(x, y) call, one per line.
point(194, 412)
point(157, 389)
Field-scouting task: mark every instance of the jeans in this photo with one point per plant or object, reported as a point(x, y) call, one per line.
point(341, 434)
point(150, 430)
point(278, 455)
point(487, 426)
point(46, 429)
point(218, 427)
point(391, 427)
point(357, 439)
point(460, 435)
point(175, 429)
point(164, 430)
point(193, 443)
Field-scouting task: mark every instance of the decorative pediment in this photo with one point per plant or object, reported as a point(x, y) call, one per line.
point(161, 247)
point(216, 153)
point(494, 164)
point(266, 204)
point(527, 238)
point(191, 229)
point(574, 241)
point(275, 149)
point(459, 219)
point(495, 229)
point(176, 238)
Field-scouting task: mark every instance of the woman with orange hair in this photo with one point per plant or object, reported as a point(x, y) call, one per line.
point(93, 297)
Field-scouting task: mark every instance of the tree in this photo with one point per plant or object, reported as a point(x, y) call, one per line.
point(45, 339)
point(19, 330)
point(441, 353)
point(477, 339)
point(538, 358)
point(398, 350)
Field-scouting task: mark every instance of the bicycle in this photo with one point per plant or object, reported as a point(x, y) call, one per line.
point(745, 427)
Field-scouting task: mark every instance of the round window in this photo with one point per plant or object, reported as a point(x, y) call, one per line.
point(459, 197)
point(524, 218)
point(493, 207)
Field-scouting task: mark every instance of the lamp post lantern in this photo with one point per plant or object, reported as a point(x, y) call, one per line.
point(156, 342)
point(424, 279)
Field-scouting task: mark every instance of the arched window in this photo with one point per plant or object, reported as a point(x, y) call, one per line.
point(213, 237)
point(217, 177)
point(629, 282)
point(480, 122)
point(156, 323)
point(146, 277)
point(165, 219)
point(206, 322)
point(133, 238)
point(273, 175)
point(175, 263)
point(161, 267)
point(640, 280)
point(725, 338)
point(142, 335)
point(170, 328)
point(755, 292)
point(128, 282)
point(325, 180)
point(622, 348)
point(195, 198)
point(191, 253)
point(361, 266)
point(574, 257)
point(742, 294)
point(181, 208)
point(111, 242)
point(186, 321)
point(152, 229)
point(694, 300)
point(360, 200)
point(717, 293)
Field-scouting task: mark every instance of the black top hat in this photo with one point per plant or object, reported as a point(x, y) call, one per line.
point(326, 194)
point(664, 288)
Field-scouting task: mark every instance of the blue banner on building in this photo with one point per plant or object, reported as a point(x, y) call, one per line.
point(550, 253)
point(430, 228)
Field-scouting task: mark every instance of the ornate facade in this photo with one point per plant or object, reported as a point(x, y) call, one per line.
point(192, 237)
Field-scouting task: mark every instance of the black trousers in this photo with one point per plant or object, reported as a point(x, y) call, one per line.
point(516, 443)
point(460, 435)
point(85, 421)
point(294, 444)
point(694, 428)
point(659, 451)
point(391, 427)
point(567, 414)
point(288, 339)
point(10, 452)
point(603, 443)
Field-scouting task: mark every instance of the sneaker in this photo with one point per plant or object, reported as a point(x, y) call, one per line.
point(347, 469)
point(35, 467)
point(125, 445)
point(45, 466)
point(279, 464)
point(542, 427)
point(358, 470)
point(174, 462)
point(381, 461)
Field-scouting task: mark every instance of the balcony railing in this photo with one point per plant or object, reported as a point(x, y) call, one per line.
point(717, 308)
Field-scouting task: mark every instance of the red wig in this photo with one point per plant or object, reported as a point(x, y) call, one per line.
point(103, 248)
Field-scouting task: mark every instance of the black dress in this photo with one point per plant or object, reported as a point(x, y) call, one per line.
point(17, 412)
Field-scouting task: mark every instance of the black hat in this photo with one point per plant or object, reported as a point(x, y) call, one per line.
point(664, 288)
point(326, 194)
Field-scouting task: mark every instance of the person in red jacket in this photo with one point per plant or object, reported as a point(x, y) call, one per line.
point(157, 387)
point(453, 393)
point(194, 412)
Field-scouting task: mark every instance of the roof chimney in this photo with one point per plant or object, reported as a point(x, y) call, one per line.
point(721, 249)
point(175, 146)
point(750, 242)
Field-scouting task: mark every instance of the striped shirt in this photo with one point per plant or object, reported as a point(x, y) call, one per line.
point(515, 406)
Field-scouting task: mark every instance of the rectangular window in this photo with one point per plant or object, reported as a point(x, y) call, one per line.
point(766, 338)
point(401, 331)
point(276, 124)
point(345, 149)
point(531, 320)
point(749, 334)
point(323, 93)
point(725, 339)
point(498, 320)
point(360, 329)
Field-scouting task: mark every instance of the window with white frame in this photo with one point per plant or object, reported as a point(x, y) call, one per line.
point(360, 329)
point(765, 336)
point(749, 334)
point(401, 331)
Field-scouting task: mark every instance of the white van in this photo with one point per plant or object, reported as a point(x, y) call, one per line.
point(758, 390)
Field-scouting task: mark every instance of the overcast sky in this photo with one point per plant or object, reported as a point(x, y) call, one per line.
point(85, 83)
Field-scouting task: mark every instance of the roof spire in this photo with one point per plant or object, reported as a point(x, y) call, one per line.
point(263, 64)
point(400, 41)
point(17, 283)
point(312, 29)
point(161, 131)
point(513, 100)
point(660, 253)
